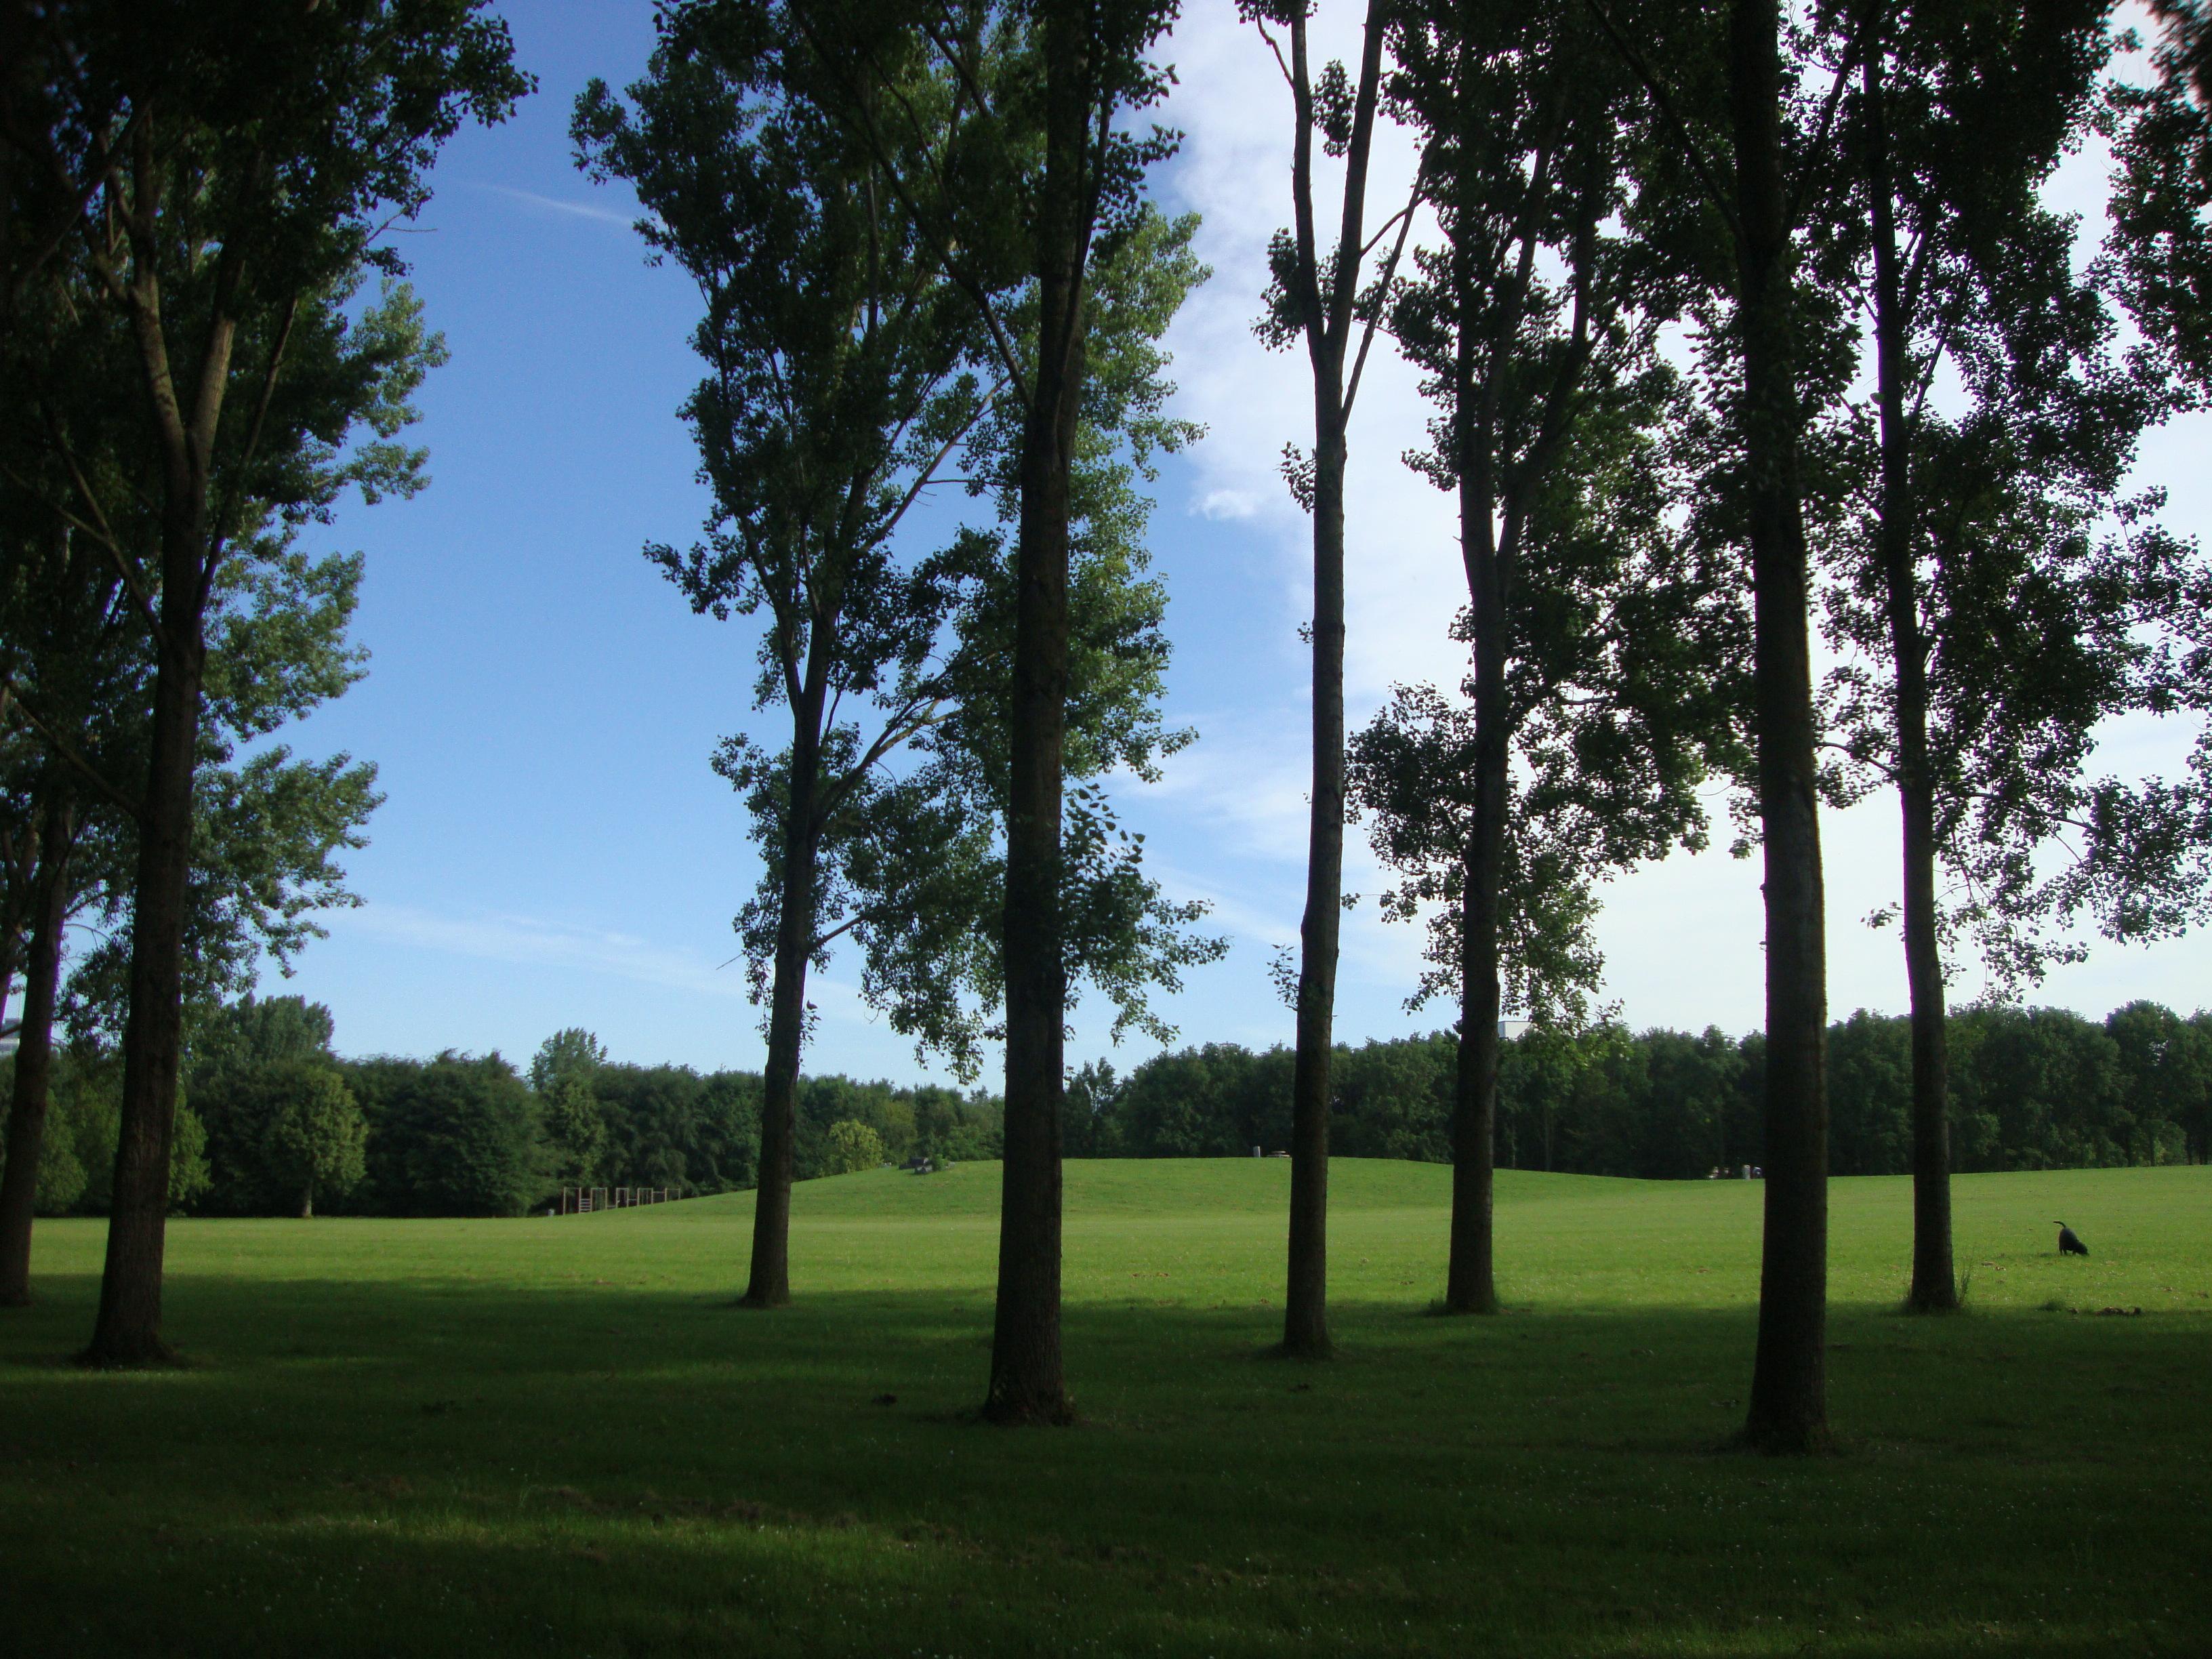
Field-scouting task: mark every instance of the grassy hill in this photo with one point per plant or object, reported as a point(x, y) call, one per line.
point(555, 1435)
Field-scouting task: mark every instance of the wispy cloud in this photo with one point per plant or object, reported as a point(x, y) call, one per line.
point(591, 210)
point(1226, 504)
point(536, 944)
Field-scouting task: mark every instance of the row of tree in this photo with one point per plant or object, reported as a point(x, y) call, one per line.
point(274, 1123)
point(1729, 327)
point(2033, 1088)
point(1659, 251)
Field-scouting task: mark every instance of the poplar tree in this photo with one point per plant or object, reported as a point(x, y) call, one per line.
point(1598, 631)
point(1748, 121)
point(231, 168)
point(2000, 592)
point(849, 373)
point(79, 666)
point(841, 377)
point(1316, 298)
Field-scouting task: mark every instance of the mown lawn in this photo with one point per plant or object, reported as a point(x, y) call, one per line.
point(557, 1437)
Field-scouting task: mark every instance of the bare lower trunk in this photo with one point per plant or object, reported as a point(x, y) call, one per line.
point(1472, 1286)
point(1788, 1409)
point(1935, 1286)
point(307, 1203)
point(770, 1284)
point(1305, 1304)
point(1027, 1381)
point(128, 1330)
point(27, 1115)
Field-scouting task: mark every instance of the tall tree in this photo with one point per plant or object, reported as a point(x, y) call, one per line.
point(1040, 176)
point(2003, 596)
point(1724, 75)
point(1316, 298)
point(242, 163)
point(27, 1102)
point(1597, 632)
point(842, 379)
point(1094, 73)
point(79, 668)
point(66, 651)
point(1788, 1409)
point(849, 369)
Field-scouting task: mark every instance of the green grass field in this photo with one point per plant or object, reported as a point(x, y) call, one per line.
point(557, 1437)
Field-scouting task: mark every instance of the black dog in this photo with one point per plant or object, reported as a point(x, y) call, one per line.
point(2069, 1243)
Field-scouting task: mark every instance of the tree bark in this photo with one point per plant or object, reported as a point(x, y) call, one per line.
point(1027, 1381)
point(27, 1115)
point(1471, 1284)
point(128, 1330)
point(1787, 1410)
point(1935, 1286)
point(1329, 322)
point(1305, 1303)
point(769, 1285)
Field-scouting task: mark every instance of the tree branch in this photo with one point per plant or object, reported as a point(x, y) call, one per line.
point(98, 532)
point(221, 533)
point(1693, 152)
point(11, 697)
point(1405, 218)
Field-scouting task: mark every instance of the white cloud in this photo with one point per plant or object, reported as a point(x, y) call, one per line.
point(1682, 938)
point(591, 210)
point(1402, 555)
point(1227, 504)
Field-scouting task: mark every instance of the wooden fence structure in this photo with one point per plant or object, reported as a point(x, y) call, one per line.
point(583, 1200)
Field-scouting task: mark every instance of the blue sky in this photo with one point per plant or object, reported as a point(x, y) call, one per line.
point(554, 850)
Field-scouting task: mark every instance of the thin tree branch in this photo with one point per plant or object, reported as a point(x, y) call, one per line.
point(66, 752)
point(1693, 152)
point(1405, 218)
point(237, 490)
point(98, 533)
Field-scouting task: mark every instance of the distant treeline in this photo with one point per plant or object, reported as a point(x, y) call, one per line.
point(2033, 1088)
point(276, 1123)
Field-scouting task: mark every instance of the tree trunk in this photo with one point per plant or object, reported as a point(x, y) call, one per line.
point(128, 1330)
point(1305, 1304)
point(770, 1282)
point(1471, 1286)
point(1328, 324)
point(27, 1115)
point(1788, 1408)
point(1934, 1287)
point(1027, 1383)
point(307, 1202)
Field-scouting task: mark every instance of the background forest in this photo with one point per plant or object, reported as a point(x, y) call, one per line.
point(272, 1112)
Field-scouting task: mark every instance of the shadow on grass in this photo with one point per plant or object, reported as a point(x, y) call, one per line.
point(398, 1467)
